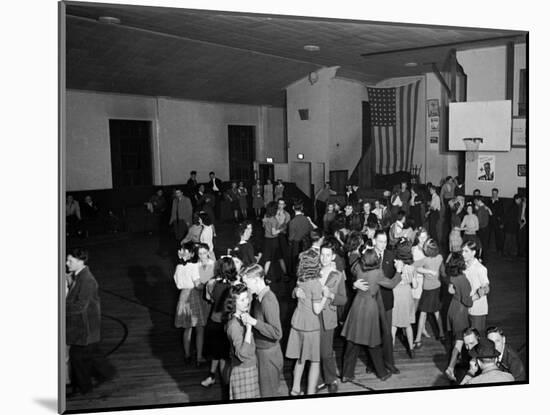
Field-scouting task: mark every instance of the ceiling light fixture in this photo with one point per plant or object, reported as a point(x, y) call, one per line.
point(411, 64)
point(108, 20)
point(312, 48)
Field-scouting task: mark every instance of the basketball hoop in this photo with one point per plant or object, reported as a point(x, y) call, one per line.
point(472, 147)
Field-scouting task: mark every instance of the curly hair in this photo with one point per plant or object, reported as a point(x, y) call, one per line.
point(455, 265)
point(369, 260)
point(230, 304)
point(225, 269)
point(353, 241)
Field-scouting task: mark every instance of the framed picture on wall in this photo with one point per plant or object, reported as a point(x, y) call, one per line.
point(434, 123)
point(434, 139)
point(433, 107)
point(522, 170)
point(519, 132)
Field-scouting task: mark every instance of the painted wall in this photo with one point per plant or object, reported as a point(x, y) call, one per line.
point(439, 163)
point(310, 137)
point(274, 143)
point(88, 158)
point(486, 70)
point(506, 178)
point(193, 136)
point(186, 135)
point(346, 124)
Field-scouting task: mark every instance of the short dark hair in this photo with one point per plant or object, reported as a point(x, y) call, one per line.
point(242, 227)
point(271, 209)
point(477, 190)
point(329, 244)
point(379, 232)
point(201, 245)
point(205, 218)
point(298, 205)
point(211, 173)
point(471, 330)
point(494, 189)
point(494, 329)
point(431, 248)
point(517, 196)
point(315, 235)
point(472, 245)
point(401, 214)
point(193, 172)
point(195, 219)
point(79, 253)
point(455, 265)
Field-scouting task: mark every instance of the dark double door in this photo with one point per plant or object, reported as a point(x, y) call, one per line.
point(130, 153)
point(242, 152)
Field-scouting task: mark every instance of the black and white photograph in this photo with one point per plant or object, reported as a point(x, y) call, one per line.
point(433, 108)
point(265, 207)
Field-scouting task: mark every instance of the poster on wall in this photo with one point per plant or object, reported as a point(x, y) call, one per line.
point(486, 168)
point(522, 170)
point(434, 123)
point(519, 132)
point(433, 108)
point(434, 139)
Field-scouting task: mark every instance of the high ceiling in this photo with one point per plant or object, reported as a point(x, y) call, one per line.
point(247, 59)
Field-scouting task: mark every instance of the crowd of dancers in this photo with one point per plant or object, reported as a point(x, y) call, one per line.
point(363, 270)
point(360, 273)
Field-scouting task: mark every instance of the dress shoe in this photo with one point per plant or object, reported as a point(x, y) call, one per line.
point(321, 386)
point(386, 377)
point(393, 369)
point(333, 387)
point(346, 379)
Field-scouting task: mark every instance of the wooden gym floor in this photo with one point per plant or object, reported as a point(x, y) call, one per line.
point(139, 297)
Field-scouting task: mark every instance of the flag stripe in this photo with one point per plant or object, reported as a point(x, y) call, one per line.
point(415, 112)
point(393, 119)
point(402, 125)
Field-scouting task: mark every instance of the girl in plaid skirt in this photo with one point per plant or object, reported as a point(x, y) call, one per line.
point(243, 382)
point(189, 312)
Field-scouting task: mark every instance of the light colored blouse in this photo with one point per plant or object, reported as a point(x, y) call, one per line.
point(206, 237)
point(476, 274)
point(430, 282)
point(470, 224)
point(185, 275)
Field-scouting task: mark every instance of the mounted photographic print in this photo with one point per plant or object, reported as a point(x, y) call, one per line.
point(433, 107)
point(486, 168)
point(522, 170)
point(434, 124)
point(519, 132)
point(210, 256)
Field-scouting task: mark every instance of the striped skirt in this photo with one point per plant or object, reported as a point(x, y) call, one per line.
point(244, 383)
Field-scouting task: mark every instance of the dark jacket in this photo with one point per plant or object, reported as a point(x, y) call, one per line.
point(512, 363)
point(389, 271)
point(83, 310)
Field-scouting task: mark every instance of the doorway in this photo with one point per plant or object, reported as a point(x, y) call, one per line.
point(338, 180)
point(242, 152)
point(267, 171)
point(130, 153)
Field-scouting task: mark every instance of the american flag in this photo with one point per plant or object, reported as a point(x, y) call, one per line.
point(393, 121)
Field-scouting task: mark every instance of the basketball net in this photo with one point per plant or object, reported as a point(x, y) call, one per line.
point(472, 147)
